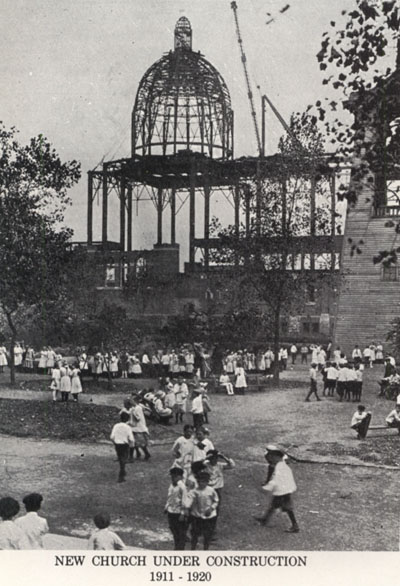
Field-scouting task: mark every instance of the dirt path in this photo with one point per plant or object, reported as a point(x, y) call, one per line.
point(339, 507)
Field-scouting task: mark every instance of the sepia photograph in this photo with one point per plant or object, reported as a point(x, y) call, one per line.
point(199, 283)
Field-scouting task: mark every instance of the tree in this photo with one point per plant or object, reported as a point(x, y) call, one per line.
point(260, 258)
point(357, 61)
point(34, 245)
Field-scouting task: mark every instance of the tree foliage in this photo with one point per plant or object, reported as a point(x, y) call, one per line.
point(33, 243)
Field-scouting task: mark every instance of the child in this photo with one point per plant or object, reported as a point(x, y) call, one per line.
point(206, 401)
point(358, 382)
point(11, 536)
point(203, 502)
point(216, 463)
point(225, 382)
point(281, 484)
point(181, 393)
point(103, 538)
point(197, 408)
point(33, 526)
point(183, 450)
point(55, 382)
point(176, 508)
point(202, 444)
point(139, 428)
point(393, 419)
point(313, 383)
point(122, 438)
point(331, 378)
point(360, 421)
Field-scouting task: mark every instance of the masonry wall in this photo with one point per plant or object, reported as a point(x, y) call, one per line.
point(367, 304)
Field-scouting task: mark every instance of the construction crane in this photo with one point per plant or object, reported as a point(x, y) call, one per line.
point(246, 75)
point(264, 98)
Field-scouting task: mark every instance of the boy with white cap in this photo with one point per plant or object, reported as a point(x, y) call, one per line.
point(281, 484)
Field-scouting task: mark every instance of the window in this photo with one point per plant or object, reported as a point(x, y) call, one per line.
point(315, 327)
point(110, 275)
point(310, 293)
point(307, 261)
point(389, 273)
point(306, 327)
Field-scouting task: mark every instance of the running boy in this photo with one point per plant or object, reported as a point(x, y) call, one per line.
point(281, 484)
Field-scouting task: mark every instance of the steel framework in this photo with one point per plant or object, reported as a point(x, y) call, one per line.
point(182, 103)
point(182, 150)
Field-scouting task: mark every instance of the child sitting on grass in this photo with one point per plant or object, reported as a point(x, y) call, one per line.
point(102, 537)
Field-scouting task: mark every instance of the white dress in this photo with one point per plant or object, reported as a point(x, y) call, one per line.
point(51, 358)
point(240, 381)
point(65, 382)
point(18, 355)
point(43, 359)
point(76, 386)
point(3, 356)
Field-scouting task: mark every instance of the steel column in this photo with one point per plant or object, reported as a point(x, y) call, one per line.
point(159, 214)
point(207, 194)
point(90, 209)
point(192, 217)
point(105, 206)
point(122, 212)
point(129, 243)
point(312, 217)
point(173, 214)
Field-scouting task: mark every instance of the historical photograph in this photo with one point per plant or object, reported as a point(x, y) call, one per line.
point(199, 282)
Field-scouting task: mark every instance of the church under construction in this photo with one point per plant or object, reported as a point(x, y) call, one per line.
point(182, 154)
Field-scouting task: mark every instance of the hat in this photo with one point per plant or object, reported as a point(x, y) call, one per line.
point(160, 394)
point(271, 448)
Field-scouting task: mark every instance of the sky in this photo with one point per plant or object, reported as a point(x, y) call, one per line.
point(70, 71)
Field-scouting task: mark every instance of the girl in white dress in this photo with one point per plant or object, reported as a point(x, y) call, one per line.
point(65, 382)
point(136, 367)
point(55, 382)
point(76, 385)
point(18, 352)
point(29, 359)
point(50, 360)
point(43, 360)
point(240, 380)
point(114, 365)
point(3, 358)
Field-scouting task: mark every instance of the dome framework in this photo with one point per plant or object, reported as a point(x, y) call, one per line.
point(182, 103)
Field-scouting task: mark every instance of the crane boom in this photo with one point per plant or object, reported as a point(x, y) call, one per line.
point(246, 75)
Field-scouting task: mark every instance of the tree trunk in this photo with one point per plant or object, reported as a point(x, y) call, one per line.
point(277, 336)
point(12, 344)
